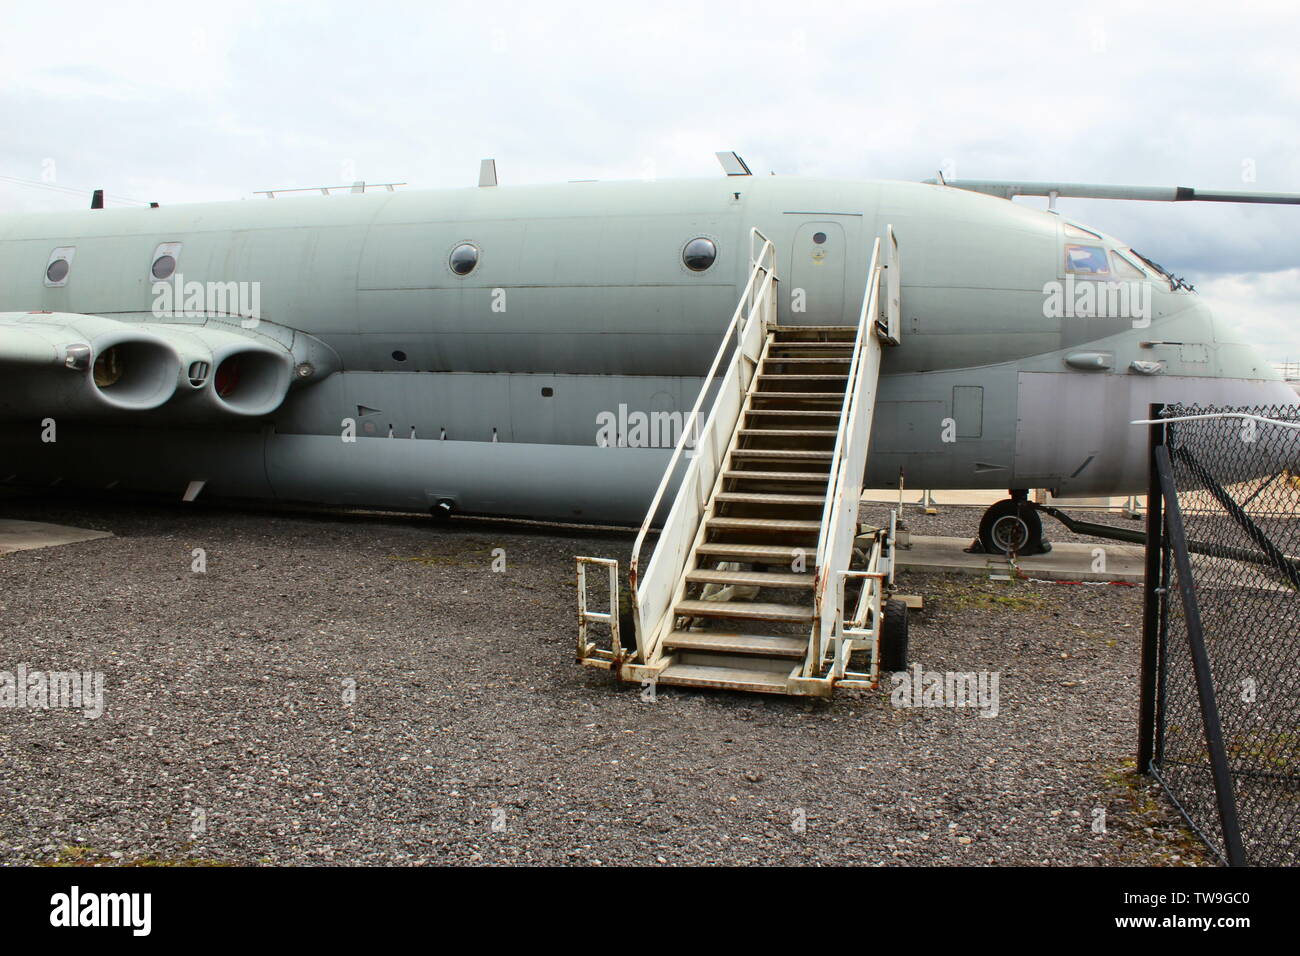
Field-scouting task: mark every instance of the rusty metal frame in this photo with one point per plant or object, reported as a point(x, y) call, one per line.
point(588, 653)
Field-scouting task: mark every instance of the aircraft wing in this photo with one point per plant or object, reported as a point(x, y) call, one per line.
point(1010, 188)
point(44, 340)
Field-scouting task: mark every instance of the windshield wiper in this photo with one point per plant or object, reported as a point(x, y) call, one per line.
point(1175, 283)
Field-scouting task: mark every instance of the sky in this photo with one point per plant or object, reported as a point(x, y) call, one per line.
point(190, 102)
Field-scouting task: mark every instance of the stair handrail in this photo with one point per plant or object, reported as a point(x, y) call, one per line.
point(756, 302)
point(839, 516)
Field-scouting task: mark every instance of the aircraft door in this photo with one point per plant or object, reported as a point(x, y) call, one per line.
point(814, 293)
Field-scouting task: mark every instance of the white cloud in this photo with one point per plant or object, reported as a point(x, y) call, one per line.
point(208, 101)
point(1265, 306)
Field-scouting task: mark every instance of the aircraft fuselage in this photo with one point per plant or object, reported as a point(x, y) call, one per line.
point(494, 390)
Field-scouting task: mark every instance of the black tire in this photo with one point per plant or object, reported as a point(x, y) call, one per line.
point(893, 636)
point(1011, 525)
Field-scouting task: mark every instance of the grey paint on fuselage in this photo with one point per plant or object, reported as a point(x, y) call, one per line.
point(599, 311)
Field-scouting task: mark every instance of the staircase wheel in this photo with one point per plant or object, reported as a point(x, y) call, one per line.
point(893, 636)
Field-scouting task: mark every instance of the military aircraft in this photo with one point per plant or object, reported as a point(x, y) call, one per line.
point(528, 350)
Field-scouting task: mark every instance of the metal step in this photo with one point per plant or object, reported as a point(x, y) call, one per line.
point(745, 610)
point(790, 432)
point(789, 333)
point(720, 642)
point(768, 498)
point(723, 678)
point(818, 360)
point(842, 346)
point(807, 353)
point(751, 579)
point(815, 396)
point(754, 553)
point(822, 477)
point(766, 376)
point(764, 524)
point(798, 413)
point(788, 454)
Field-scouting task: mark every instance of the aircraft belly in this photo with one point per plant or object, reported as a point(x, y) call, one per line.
point(535, 409)
point(548, 481)
point(559, 482)
point(94, 456)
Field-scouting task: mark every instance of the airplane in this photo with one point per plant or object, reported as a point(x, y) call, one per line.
point(526, 351)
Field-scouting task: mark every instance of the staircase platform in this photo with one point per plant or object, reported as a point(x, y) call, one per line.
point(763, 524)
point(750, 579)
point(724, 678)
point(787, 433)
point(752, 553)
point(722, 642)
point(818, 476)
point(801, 396)
point(745, 610)
point(795, 412)
point(738, 497)
point(783, 454)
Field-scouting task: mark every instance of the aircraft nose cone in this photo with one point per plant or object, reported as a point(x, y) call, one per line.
point(1280, 393)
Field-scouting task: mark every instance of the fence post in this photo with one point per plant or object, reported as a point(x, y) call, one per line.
point(1223, 788)
point(1151, 596)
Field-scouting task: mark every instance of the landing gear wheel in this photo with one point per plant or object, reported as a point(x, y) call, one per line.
point(1009, 526)
point(893, 636)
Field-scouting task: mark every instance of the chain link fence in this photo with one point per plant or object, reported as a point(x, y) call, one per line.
point(1227, 614)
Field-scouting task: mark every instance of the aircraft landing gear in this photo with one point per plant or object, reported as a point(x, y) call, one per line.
point(1011, 526)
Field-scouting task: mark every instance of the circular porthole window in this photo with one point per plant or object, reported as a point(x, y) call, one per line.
point(399, 356)
point(699, 254)
point(163, 267)
point(463, 259)
point(57, 270)
point(819, 237)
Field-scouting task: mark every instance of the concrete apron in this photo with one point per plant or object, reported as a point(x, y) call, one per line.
point(26, 535)
point(1067, 561)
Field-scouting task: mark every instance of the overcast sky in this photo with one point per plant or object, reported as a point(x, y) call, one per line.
point(185, 102)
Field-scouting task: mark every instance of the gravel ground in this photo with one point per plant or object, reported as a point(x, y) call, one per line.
point(474, 737)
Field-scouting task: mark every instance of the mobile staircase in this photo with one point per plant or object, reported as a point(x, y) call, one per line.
point(747, 584)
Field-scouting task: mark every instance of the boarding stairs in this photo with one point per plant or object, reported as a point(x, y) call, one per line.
point(747, 584)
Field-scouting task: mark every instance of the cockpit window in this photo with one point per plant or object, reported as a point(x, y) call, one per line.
point(1086, 260)
point(1123, 268)
point(1078, 232)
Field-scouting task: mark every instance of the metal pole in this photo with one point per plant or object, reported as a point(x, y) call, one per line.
point(1201, 668)
point(1151, 598)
